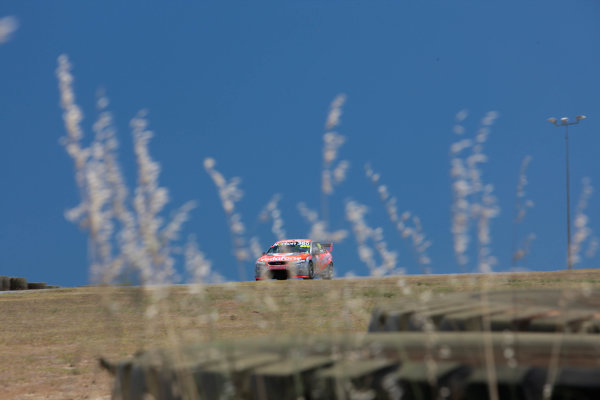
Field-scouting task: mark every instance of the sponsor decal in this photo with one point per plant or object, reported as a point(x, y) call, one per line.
point(293, 243)
point(284, 259)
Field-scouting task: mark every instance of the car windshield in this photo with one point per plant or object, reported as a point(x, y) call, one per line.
point(283, 248)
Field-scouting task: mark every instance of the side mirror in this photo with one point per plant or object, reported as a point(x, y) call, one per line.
point(264, 253)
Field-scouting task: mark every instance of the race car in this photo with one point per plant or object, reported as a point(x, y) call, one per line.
point(295, 258)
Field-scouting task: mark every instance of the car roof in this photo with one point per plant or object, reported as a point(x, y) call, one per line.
point(293, 240)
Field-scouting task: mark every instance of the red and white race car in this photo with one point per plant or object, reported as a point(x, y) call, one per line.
point(296, 258)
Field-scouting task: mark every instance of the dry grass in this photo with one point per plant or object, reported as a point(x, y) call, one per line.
point(51, 339)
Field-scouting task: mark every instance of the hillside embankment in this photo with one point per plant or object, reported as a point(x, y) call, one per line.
point(52, 339)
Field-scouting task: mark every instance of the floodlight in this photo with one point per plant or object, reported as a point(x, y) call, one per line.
point(564, 121)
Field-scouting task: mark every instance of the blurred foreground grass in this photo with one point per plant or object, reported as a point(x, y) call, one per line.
point(51, 339)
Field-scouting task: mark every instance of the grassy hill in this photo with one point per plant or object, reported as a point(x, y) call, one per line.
point(51, 339)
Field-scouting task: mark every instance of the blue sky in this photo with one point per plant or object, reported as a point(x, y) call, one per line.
point(250, 83)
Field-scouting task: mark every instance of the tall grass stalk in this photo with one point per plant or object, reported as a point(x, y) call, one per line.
point(582, 231)
point(230, 193)
point(90, 174)
point(521, 248)
point(484, 210)
point(418, 241)
point(144, 240)
point(272, 212)
point(474, 201)
point(461, 190)
point(363, 233)
point(156, 236)
point(593, 247)
point(256, 247)
point(318, 228)
point(123, 238)
point(331, 174)
point(128, 237)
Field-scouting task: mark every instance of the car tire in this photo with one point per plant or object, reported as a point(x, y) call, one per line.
point(329, 274)
point(311, 271)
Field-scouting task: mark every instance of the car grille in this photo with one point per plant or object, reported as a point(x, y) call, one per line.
point(278, 263)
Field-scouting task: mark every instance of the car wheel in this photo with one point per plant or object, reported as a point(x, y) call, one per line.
point(329, 274)
point(311, 270)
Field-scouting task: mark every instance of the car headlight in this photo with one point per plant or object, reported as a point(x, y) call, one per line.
point(260, 264)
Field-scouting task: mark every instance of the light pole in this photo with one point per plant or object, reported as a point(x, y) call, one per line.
point(564, 121)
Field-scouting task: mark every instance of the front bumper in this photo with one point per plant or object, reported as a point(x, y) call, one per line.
point(294, 270)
